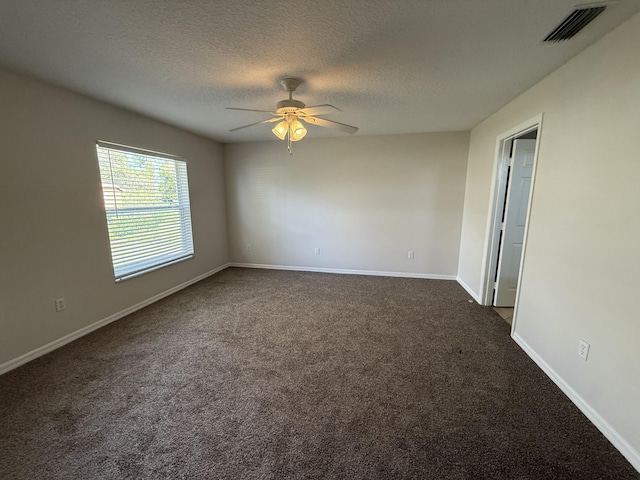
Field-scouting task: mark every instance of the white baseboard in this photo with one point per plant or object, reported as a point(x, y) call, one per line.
point(607, 430)
point(473, 294)
point(49, 347)
point(343, 271)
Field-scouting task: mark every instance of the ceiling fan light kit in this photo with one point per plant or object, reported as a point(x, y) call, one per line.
point(289, 112)
point(281, 130)
point(292, 126)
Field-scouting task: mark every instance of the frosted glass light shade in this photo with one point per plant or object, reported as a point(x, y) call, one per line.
point(280, 130)
point(297, 131)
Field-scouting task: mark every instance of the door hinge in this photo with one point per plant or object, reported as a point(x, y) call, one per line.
point(502, 226)
point(495, 285)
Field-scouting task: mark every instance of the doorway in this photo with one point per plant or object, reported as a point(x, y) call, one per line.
point(512, 194)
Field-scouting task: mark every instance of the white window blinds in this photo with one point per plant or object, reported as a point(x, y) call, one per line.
point(146, 199)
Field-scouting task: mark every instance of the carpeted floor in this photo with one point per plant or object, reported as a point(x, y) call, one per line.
point(255, 374)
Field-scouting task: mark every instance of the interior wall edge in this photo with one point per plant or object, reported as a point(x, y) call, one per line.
point(470, 291)
point(62, 341)
point(618, 441)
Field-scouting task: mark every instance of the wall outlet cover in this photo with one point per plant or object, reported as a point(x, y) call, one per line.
point(60, 304)
point(583, 349)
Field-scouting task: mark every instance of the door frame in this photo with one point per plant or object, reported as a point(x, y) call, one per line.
point(498, 192)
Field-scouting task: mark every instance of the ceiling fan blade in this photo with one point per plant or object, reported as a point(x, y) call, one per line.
point(249, 110)
point(321, 122)
point(325, 109)
point(257, 123)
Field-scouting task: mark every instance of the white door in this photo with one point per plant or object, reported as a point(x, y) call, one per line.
point(518, 191)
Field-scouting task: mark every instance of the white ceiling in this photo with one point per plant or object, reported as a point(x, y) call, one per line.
point(391, 66)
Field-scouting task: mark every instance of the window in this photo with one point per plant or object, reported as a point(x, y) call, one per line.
point(146, 199)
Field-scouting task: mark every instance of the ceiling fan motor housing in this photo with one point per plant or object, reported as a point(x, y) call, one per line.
point(286, 106)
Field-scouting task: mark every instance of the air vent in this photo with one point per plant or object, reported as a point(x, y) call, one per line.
point(575, 21)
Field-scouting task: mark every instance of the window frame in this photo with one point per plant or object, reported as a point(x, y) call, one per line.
point(142, 264)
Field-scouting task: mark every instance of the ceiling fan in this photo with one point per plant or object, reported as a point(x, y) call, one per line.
point(289, 113)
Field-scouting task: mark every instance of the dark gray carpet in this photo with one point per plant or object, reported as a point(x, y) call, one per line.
point(255, 374)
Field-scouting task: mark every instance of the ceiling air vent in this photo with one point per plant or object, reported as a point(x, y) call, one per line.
point(575, 21)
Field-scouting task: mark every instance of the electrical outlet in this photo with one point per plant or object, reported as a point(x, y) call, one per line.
point(583, 349)
point(60, 304)
point(248, 247)
point(317, 251)
point(410, 254)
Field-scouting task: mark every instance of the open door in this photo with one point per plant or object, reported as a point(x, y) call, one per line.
point(515, 217)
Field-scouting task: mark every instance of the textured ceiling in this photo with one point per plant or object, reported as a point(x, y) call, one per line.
point(391, 66)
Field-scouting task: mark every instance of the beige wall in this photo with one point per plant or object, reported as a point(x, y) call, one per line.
point(364, 201)
point(53, 240)
point(582, 261)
